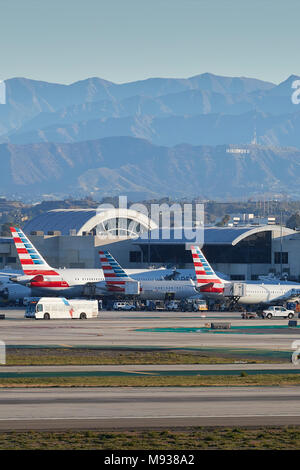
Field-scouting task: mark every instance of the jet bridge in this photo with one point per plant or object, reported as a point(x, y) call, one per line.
point(130, 288)
point(233, 291)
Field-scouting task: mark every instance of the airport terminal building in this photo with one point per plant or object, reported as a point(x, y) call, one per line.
point(72, 238)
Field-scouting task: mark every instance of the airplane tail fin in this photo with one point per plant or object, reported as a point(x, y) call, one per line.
point(31, 260)
point(114, 274)
point(205, 275)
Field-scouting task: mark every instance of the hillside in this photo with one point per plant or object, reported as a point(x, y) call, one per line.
point(124, 165)
point(149, 138)
point(33, 105)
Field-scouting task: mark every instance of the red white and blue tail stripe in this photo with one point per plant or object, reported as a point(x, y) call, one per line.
point(114, 274)
point(207, 280)
point(33, 264)
point(31, 260)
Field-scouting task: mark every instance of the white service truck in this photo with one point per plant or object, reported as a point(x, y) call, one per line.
point(123, 306)
point(277, 311)
point(59, 308)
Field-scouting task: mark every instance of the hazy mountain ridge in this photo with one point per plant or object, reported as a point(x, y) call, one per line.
point(124, 165)
point(26, 99)
point(150, 138)
point(170, 130)
point(205, 109)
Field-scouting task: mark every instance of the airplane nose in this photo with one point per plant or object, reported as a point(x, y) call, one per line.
point(13, 278)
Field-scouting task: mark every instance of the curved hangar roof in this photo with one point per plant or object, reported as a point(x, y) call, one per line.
point(77, 221)
point(215, 235)
point(233, 235)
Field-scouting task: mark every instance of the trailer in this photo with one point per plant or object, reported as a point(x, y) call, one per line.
point(60, 308)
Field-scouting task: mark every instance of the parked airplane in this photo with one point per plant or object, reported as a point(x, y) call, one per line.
point(9, 291)
point(212, 286)
point(117, 280)
point(46, 281)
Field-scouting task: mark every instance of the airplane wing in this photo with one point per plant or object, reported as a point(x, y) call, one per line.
point(291, 294)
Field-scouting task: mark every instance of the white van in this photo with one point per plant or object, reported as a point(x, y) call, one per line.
point(59, 307)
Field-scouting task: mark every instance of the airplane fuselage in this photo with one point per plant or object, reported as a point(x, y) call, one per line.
point(256, 293)
point(72, 282)
point(267, 293)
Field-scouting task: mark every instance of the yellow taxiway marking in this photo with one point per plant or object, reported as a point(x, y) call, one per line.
point(138, 372)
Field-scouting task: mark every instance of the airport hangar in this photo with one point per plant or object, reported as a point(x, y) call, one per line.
point(71, 238)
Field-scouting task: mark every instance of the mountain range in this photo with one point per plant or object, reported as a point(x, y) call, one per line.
point(149, 138)
point(141, 170)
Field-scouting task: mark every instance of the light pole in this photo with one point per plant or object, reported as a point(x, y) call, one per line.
point(280, 243)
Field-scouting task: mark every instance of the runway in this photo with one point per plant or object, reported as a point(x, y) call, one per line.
point(133, 408)
point(153, 370)
point(120, 408)
point(147, 329)
point(107, 368)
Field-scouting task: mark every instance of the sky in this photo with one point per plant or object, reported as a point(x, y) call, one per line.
point(65, 41)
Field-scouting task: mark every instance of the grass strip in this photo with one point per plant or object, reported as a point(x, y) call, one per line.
point(235, 438)
point(155, 381)
point(85, 356)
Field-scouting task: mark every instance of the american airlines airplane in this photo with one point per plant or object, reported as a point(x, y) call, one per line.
point(116, 279)
point(46, 281)
point(9, 291)
point(212, 286)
